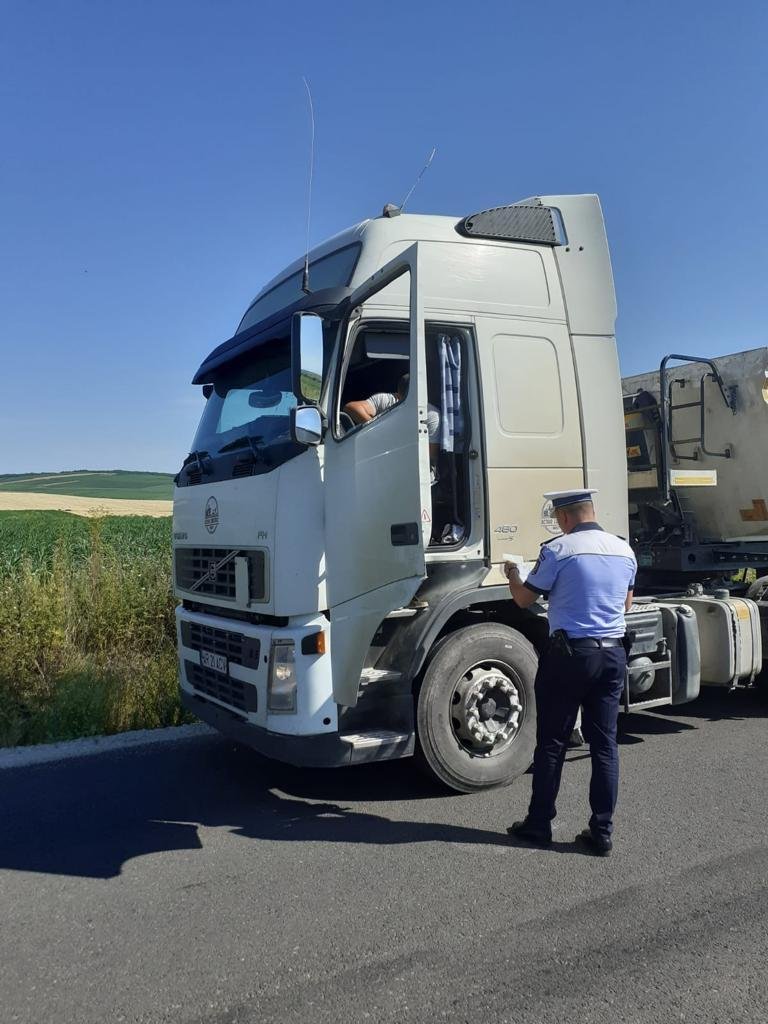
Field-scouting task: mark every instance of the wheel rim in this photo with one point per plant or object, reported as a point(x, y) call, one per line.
point(487, 709)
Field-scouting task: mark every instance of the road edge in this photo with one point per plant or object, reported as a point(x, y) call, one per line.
point(49, 753)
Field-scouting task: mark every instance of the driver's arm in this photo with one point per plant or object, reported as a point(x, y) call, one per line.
point(359, 412)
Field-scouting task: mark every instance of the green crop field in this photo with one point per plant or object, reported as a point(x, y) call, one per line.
point(87, 633)
point(34, 538)
point(116, 483)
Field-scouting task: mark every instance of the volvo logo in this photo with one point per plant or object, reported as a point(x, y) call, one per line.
point(211, 516)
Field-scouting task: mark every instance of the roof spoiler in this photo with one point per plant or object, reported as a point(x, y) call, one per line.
point(328, 301)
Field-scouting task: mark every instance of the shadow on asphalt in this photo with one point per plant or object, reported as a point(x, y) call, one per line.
point(554, 847)
point(720, 705)
point(634, 726)
point(88, 817)
point(715, 704)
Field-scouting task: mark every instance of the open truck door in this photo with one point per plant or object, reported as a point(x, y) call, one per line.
point(377, 504)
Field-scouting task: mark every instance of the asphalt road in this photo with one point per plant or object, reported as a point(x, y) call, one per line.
point(198, 883)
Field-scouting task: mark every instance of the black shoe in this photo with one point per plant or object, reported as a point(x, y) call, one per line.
point(595, 844)
point(524, 830)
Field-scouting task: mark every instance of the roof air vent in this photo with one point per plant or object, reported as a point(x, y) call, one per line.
point(536, 224)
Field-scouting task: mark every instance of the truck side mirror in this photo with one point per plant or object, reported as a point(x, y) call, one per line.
point(307, 425)
point(307, 356)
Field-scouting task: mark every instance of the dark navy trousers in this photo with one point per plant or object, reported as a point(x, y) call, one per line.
point(592, 679)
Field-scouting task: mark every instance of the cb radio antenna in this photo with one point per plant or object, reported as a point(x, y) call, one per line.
point(305, 276)
point(422, 172)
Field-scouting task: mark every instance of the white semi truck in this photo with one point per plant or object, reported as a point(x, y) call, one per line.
point(340, 584)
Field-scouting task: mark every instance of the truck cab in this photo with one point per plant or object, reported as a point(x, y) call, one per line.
point(340, 581)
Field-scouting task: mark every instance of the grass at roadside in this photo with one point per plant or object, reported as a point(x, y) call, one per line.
point(87, 636)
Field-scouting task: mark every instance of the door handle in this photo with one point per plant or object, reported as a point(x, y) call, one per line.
point(403, 534)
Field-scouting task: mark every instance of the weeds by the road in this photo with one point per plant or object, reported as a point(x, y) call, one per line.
point(87, 640)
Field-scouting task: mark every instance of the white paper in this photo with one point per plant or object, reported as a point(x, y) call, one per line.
point(523, 567)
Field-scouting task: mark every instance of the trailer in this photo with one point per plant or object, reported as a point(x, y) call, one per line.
point(697, 472)
point(340, 584)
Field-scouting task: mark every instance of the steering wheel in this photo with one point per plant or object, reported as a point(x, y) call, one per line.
point(346, 422)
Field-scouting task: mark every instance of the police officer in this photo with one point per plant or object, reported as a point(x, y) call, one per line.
point(588, 576)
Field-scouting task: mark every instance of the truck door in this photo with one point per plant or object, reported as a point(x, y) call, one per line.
point(377, 493)
point(377, 473)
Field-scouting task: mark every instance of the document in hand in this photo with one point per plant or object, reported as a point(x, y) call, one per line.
point(523, 567)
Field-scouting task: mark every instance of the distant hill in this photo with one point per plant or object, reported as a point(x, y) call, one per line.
point(112, 483)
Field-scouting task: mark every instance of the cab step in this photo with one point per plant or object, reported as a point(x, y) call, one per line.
point(378, 745)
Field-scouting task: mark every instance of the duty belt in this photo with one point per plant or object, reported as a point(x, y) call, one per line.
point(595, 641)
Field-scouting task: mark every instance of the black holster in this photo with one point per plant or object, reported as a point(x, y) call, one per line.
point(559, 643)
point(627, 641)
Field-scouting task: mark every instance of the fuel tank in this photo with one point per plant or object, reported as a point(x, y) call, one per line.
point(729, 639)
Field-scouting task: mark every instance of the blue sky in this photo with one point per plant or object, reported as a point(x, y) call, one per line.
point(153, 176)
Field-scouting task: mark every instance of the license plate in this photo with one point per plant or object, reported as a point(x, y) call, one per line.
point(217, 662)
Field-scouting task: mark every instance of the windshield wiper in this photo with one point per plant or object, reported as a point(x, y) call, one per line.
point(247, 440)
point(196, 458)
point(255, 443)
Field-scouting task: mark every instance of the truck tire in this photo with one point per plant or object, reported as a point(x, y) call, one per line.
point(476, 710)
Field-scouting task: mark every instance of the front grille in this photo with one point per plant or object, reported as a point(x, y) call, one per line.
point(229, 691)
point(243, 650)
point(212, 572)
point(201, 570)
point(254, 618)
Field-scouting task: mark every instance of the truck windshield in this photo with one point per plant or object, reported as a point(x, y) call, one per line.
point(249, 408)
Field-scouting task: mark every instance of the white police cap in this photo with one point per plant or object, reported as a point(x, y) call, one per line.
point(561, 499)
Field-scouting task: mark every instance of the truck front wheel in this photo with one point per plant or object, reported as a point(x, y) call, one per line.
point(476, 712)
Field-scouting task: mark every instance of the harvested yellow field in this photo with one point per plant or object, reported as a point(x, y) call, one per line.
point(19, 501)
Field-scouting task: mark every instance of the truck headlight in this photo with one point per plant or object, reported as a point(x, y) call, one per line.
point(281, 692)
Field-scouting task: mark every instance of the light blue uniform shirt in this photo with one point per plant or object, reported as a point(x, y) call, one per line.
point(586, 574)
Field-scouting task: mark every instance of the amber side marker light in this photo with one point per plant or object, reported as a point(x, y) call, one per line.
point(313, 644)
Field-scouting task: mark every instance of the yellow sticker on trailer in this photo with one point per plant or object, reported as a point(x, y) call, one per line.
point(693, 478)
point(633, 421)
